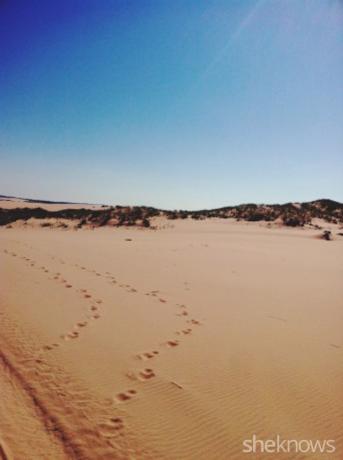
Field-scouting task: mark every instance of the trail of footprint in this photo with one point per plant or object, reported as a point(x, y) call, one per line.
point(183, 311)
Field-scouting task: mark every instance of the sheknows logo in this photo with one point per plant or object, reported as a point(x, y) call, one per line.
point(271, 446)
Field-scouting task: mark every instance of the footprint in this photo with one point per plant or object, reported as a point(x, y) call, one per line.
point(72, 335)
point(50, 347)
point(96, 316)
point(147, 374)
point(172, 343)
point(82, 324)
point(148, 355)
point(87, 296)
point(68, 286)
point(162, 300)
point(108, 429)
point(186, 331)
point(123, 397)
point(117, 423)
point(94, 308)
point(194, 321)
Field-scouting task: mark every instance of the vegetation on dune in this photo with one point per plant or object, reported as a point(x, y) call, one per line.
point(289, 214)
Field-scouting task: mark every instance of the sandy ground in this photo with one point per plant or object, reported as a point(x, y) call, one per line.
point(171, 344)
point(18, 203)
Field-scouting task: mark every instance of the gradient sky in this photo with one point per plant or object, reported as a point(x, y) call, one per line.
point(174, 104)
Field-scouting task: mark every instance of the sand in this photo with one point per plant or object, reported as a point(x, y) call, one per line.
point(178, 343)
point(12, 203)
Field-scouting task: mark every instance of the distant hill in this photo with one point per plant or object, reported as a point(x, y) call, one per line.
point(289, 214)
point(31, 200)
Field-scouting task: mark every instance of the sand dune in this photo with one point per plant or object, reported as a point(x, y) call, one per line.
point(170, 344)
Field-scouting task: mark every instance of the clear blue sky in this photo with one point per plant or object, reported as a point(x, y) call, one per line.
point(174, 103)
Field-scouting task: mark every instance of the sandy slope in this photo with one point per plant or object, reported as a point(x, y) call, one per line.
point(170, 344)
point(17, 203)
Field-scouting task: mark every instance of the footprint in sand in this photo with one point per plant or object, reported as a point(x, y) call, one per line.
point(125, 396)
point(96, 316)
point(117, 422)
point(185, 331)
point(152, 293)
point(50, 347)
point(142, 375)
point(146, 374)
point(82, 324)
point(71, 335)
point(87, 296)
point(194, 321)
point(172, 343)
point(68, 286)
point(108, 429)
point(148, 355)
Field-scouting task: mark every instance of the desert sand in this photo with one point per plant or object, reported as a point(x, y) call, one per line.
point(178, 343)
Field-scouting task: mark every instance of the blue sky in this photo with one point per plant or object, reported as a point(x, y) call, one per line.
point(175, 104)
